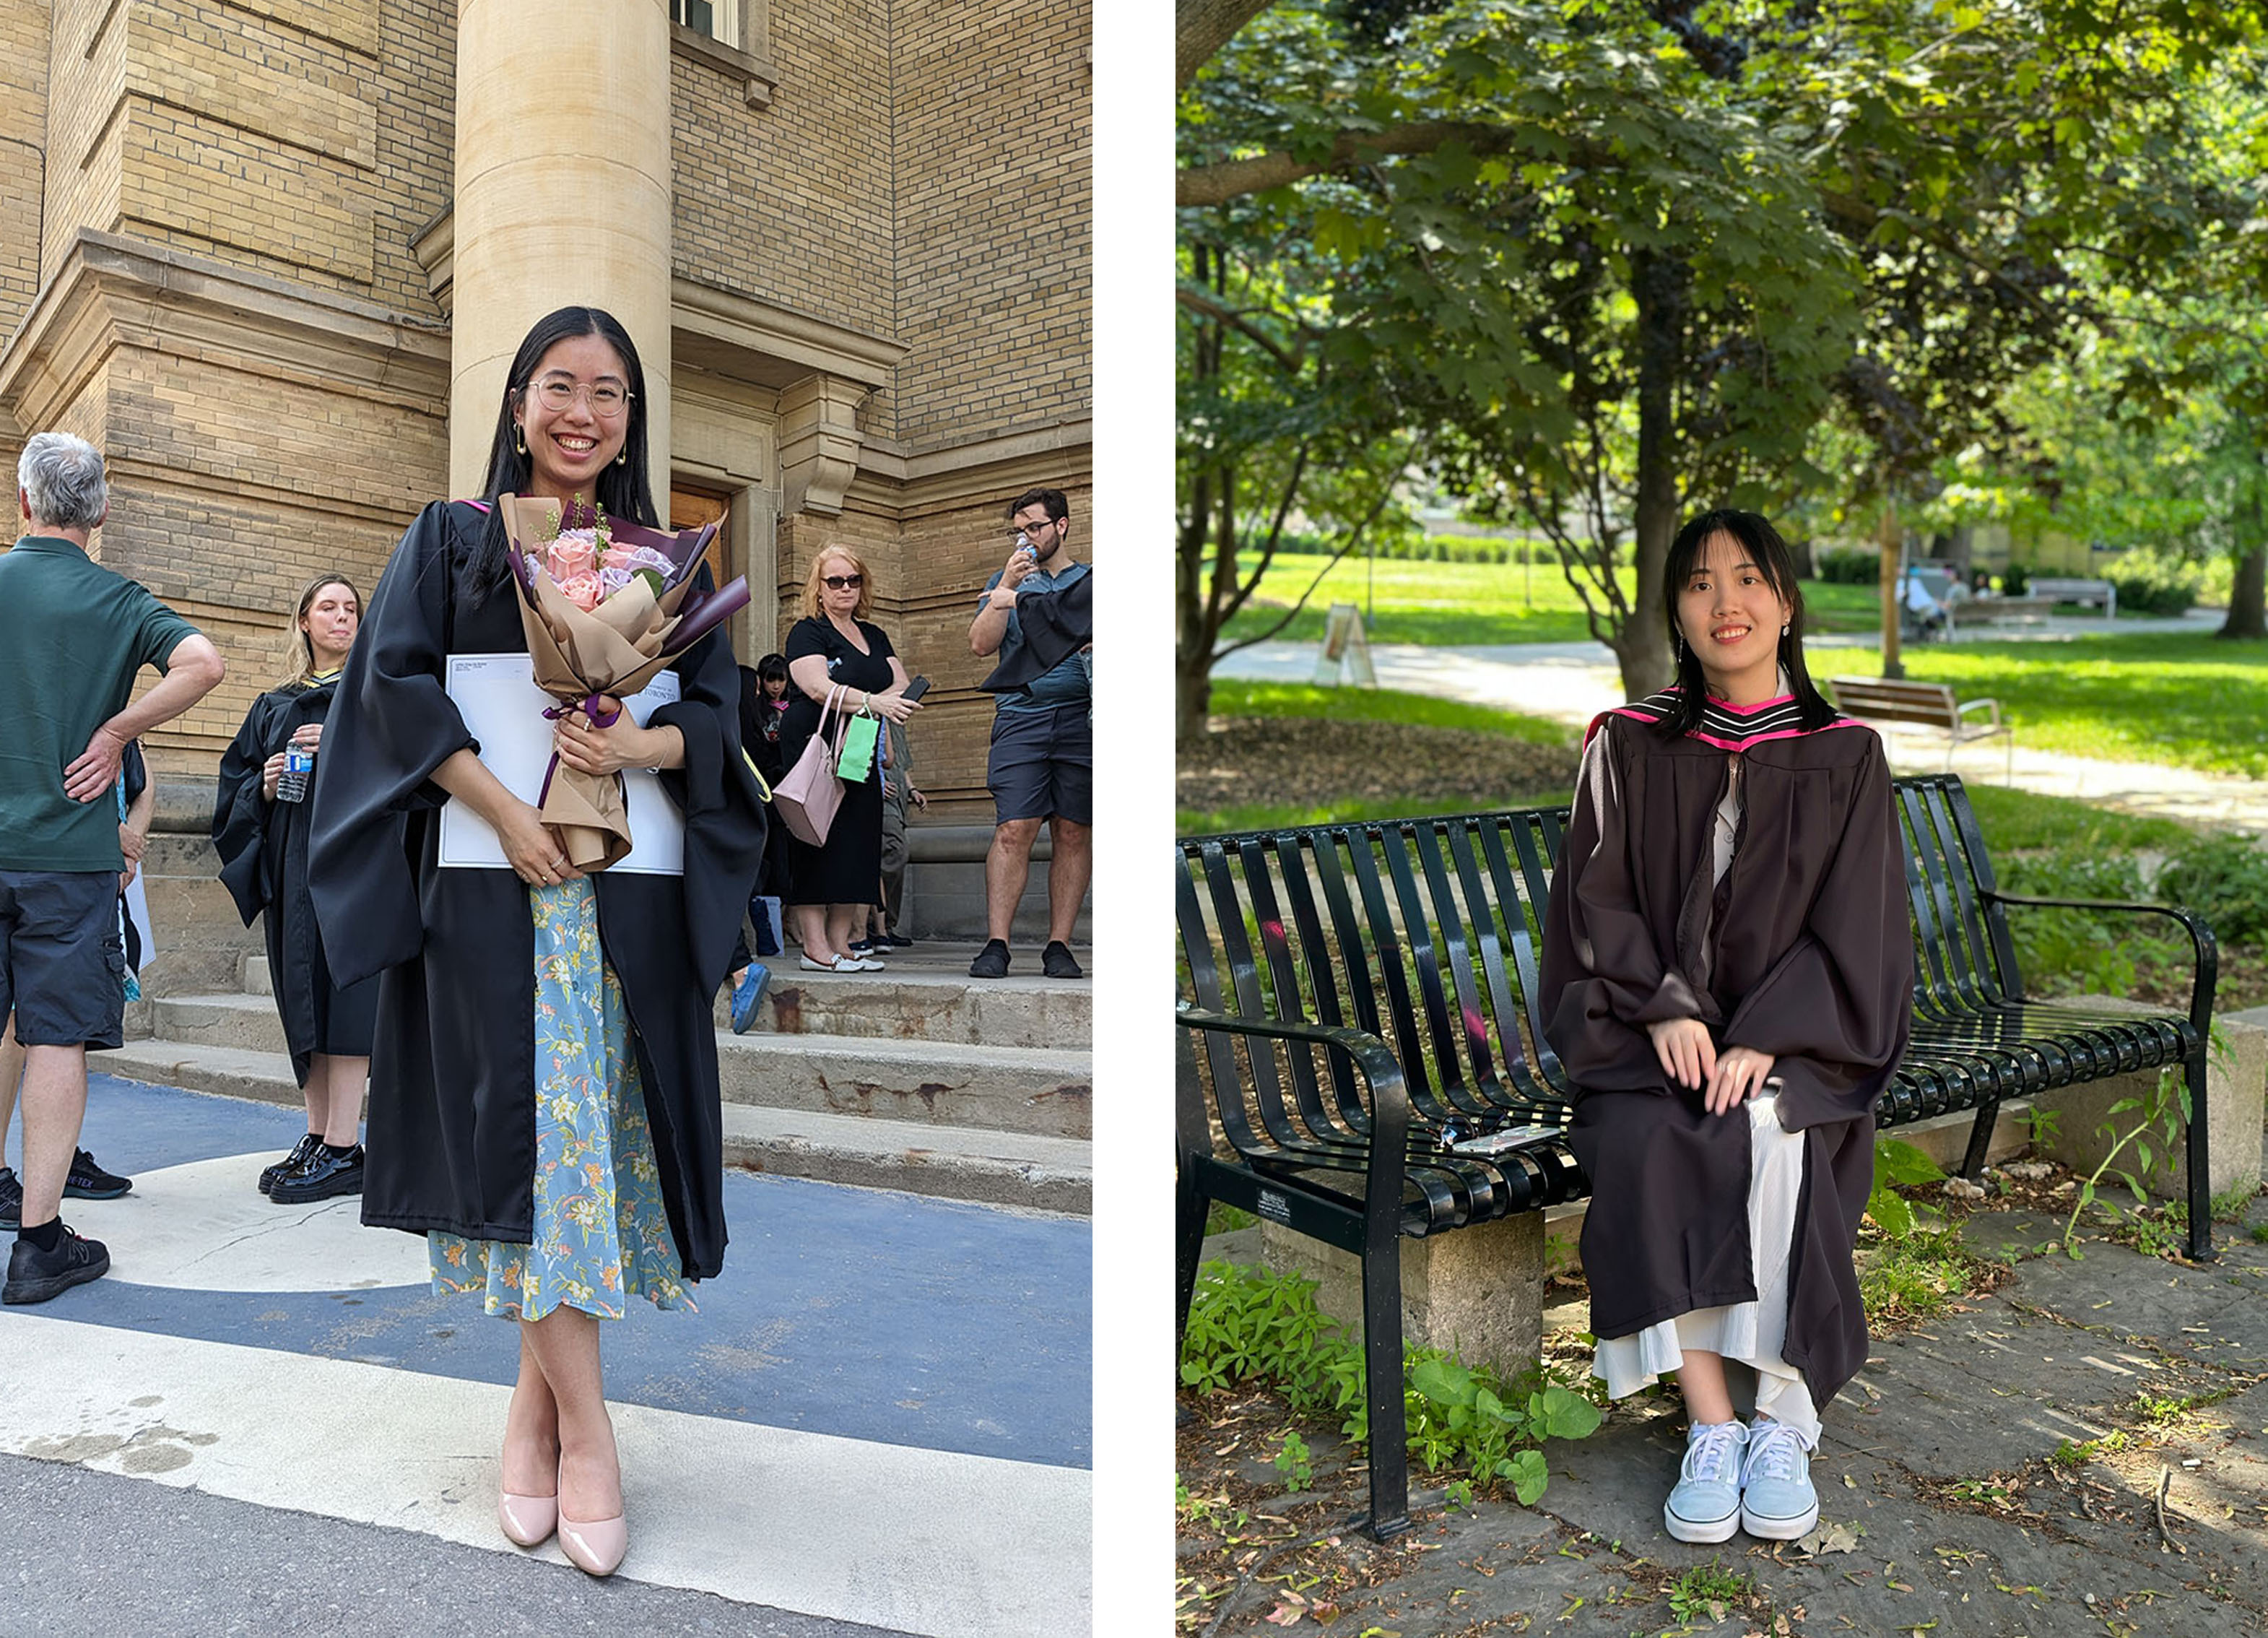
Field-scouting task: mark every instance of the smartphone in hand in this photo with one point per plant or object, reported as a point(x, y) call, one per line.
point(916, 689)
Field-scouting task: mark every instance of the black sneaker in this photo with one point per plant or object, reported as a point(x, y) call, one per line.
point(331, 1172)
point(301, 1154)
point(897, 940)
point(11, 1199)
point(87, 1181)
point(1055, 962)
point(34, 1276)
point(991, 961)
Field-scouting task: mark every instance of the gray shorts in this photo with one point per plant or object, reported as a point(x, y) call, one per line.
point(1042, 765)
point(63, 965)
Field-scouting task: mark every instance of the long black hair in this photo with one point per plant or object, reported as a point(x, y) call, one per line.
point(1765, 549)
point(625, 487)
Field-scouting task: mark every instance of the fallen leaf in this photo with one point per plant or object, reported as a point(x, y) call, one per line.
point(1830, 1539)
point(1282, 1617)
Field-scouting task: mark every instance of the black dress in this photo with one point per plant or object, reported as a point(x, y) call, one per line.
point(263, 853)
point(848, 870)
point(452, 1066)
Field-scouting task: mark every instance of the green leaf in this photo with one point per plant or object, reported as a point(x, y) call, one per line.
point(1530, 1478)
point(1897, 1161)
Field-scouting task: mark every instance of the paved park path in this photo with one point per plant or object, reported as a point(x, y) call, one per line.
point(1574, 681)
point(263, 1421)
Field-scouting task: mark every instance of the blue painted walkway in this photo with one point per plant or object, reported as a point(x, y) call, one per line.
point(851, 1312)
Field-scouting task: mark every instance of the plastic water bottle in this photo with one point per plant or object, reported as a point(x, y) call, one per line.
point(298, 768)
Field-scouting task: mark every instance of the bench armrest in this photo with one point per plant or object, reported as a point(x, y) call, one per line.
point(2200, 932)
point(1966, 706)
point(1389, 1100)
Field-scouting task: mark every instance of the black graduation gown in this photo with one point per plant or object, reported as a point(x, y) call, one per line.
point(263, 863)
point(1802, 951)
point(452, 1138)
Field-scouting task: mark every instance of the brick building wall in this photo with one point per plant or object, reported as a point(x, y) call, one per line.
point(995, 208)
point(304, 146)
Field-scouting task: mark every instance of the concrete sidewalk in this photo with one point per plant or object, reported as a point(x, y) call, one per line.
point(2083, 1451)
point(1574, 681)
point(879, 1419)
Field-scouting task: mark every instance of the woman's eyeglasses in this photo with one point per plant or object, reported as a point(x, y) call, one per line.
point(840, 582)
point(606, 399)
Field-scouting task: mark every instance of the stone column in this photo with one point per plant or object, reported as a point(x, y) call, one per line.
point(563, 198)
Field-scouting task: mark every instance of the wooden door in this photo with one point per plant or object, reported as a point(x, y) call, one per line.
point(690, 509)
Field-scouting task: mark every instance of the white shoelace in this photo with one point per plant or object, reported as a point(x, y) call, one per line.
point(1711, 1451)
point(1775, 1451)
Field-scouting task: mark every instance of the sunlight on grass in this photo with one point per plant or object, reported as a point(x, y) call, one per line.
point(1231, 698)
point(1472, 604)
point(2173, 699)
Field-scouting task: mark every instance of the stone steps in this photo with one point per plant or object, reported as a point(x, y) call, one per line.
point(929, 998)
point(1037, 1091)
point(1031, 1170)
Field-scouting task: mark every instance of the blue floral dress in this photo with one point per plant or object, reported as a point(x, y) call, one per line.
point(601, 1233)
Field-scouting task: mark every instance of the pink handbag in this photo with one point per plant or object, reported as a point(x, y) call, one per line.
point(808, 797)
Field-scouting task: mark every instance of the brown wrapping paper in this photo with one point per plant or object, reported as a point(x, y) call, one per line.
point(616, 649)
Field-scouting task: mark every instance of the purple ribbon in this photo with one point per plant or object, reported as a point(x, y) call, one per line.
point(589, 707)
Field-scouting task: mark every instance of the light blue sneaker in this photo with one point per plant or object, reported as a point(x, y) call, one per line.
point(1777, 1499)
point(747, 994)
point(1705, 1506)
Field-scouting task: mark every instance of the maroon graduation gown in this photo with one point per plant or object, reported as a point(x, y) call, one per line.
point(1801, 951)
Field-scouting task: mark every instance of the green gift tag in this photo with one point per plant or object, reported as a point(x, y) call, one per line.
point(856, 760)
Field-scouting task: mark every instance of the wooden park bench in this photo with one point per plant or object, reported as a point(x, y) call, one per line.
point(2048, 589)
point(1363, 995)
point(1928, 705)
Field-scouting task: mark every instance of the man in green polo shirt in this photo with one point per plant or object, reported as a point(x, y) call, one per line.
point(73, 637)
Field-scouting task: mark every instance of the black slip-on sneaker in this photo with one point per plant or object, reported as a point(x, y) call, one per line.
point(1056, 960)
point(991, 961)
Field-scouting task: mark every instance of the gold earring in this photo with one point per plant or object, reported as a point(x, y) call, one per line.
point(623, 459)
point(520, 438)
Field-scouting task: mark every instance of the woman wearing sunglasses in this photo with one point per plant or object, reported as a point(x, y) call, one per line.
point(833, 647)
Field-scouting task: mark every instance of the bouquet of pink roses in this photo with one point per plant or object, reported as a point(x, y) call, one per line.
point(605, 604)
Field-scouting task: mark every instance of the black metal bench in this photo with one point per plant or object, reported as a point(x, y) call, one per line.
point(1361, 991)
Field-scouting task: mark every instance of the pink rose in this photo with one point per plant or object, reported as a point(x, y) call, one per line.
point(575, 551)
point(582, 590)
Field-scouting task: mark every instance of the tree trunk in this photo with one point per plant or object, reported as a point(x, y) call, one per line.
point(2247, 616)
point(1892, 539)
point(1202, 27)
point(1642, 645)
point(1192, 641)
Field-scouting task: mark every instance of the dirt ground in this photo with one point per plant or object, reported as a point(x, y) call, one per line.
point(1310, 761)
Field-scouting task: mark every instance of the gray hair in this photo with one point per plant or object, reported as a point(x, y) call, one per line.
point(63, 477)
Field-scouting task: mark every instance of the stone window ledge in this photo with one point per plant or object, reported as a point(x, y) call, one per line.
point(759, 79)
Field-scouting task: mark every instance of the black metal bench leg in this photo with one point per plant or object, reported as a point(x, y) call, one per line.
point(1980, 1140)
point(2200, 1171)
point(1190, 1208)
point(1382, 1347)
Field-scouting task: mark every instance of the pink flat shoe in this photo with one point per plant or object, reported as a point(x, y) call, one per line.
point(527, 1520)
point(595, 1549)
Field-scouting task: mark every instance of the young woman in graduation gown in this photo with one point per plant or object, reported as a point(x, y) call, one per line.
point(262, 843)
point(1728, 978)
point(544, 1101)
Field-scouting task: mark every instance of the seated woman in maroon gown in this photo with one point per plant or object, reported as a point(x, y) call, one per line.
point(1727, 977)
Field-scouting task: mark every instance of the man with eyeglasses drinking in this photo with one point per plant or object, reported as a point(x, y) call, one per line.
point(1042, 765)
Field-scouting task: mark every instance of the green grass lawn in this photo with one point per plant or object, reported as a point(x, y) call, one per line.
point(1470, 604)
point(1231, 698)
point(2184, 701)
point(2013, 820)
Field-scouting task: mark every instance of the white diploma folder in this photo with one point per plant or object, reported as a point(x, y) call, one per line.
point(503, 709)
